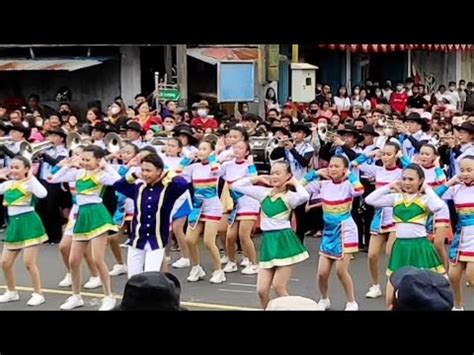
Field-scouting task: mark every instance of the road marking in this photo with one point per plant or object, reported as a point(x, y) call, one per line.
point(214, 306)
point(245, 285)
point(236, 291)
point(294, 279)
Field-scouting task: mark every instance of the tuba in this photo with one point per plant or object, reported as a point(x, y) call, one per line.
point(113, 142)
point(74, 140)
point(30, 151)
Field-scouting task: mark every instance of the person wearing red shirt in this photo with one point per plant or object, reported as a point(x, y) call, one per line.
point(399, 99)
point(145, 118)
point(204, 121)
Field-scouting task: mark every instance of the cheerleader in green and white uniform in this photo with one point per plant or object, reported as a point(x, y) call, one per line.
point(413, 201)
point(93, 220)
point(280, 248)
point(25, 230)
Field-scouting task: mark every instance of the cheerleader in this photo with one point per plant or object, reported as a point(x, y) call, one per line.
point(439, 224)
point(460, 189)
point(93, 220)
point(382, 223)
point(412, 202)
point(226, 153)
point(280, 248)
point(340, 235)
point(235, 135)
point(174, 163)
point(207, 212)
point(124, 212)
point(245, 209)
point(25, 230)
point(66, 241)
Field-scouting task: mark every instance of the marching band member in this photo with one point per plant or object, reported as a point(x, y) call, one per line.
point(19, 134)
point(49, 208)
point(135, 134)
point(154, 198)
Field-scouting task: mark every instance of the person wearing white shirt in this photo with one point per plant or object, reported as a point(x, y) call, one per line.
point(453, 95)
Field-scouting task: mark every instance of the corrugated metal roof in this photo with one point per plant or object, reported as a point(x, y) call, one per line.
point(47, 64)
point(216, 54)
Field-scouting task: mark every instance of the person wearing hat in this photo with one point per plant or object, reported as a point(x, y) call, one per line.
point(151, 291)
point(49, 208)
point(186, 135)
point(420, 290)
point(346, 143)
point(415, 136)
point(98, 133)
point(466, 143)
point(135, 134)
point(203, 120)
point(19, 134)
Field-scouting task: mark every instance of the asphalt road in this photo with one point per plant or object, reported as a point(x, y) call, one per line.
point(238, 293)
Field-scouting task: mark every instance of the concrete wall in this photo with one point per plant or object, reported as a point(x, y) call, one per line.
point(467, 66)
point(440, 65)
point(101, 82)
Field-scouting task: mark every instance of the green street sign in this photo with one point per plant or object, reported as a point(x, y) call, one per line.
point(169, 94)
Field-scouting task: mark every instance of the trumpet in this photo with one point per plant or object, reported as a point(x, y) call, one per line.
point(74, 140)
point(113, 142)
point(31, 151)
point(387, 122)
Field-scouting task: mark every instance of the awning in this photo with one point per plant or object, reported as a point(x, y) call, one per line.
point(48, 64)
point(217, 54)
point(383, 48)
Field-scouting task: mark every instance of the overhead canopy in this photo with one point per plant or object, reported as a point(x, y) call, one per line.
point(214, 55)
point(382, 48)
point(49, 64)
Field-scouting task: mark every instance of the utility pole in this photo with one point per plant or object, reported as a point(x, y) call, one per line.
point(182, 72)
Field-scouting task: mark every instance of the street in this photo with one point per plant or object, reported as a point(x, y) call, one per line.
point(238, 293)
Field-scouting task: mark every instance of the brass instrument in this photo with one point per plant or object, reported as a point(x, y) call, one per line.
point(113, 142)
point(30, 151)
point(5, 141)
point(74, 140)
point(387, 122)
